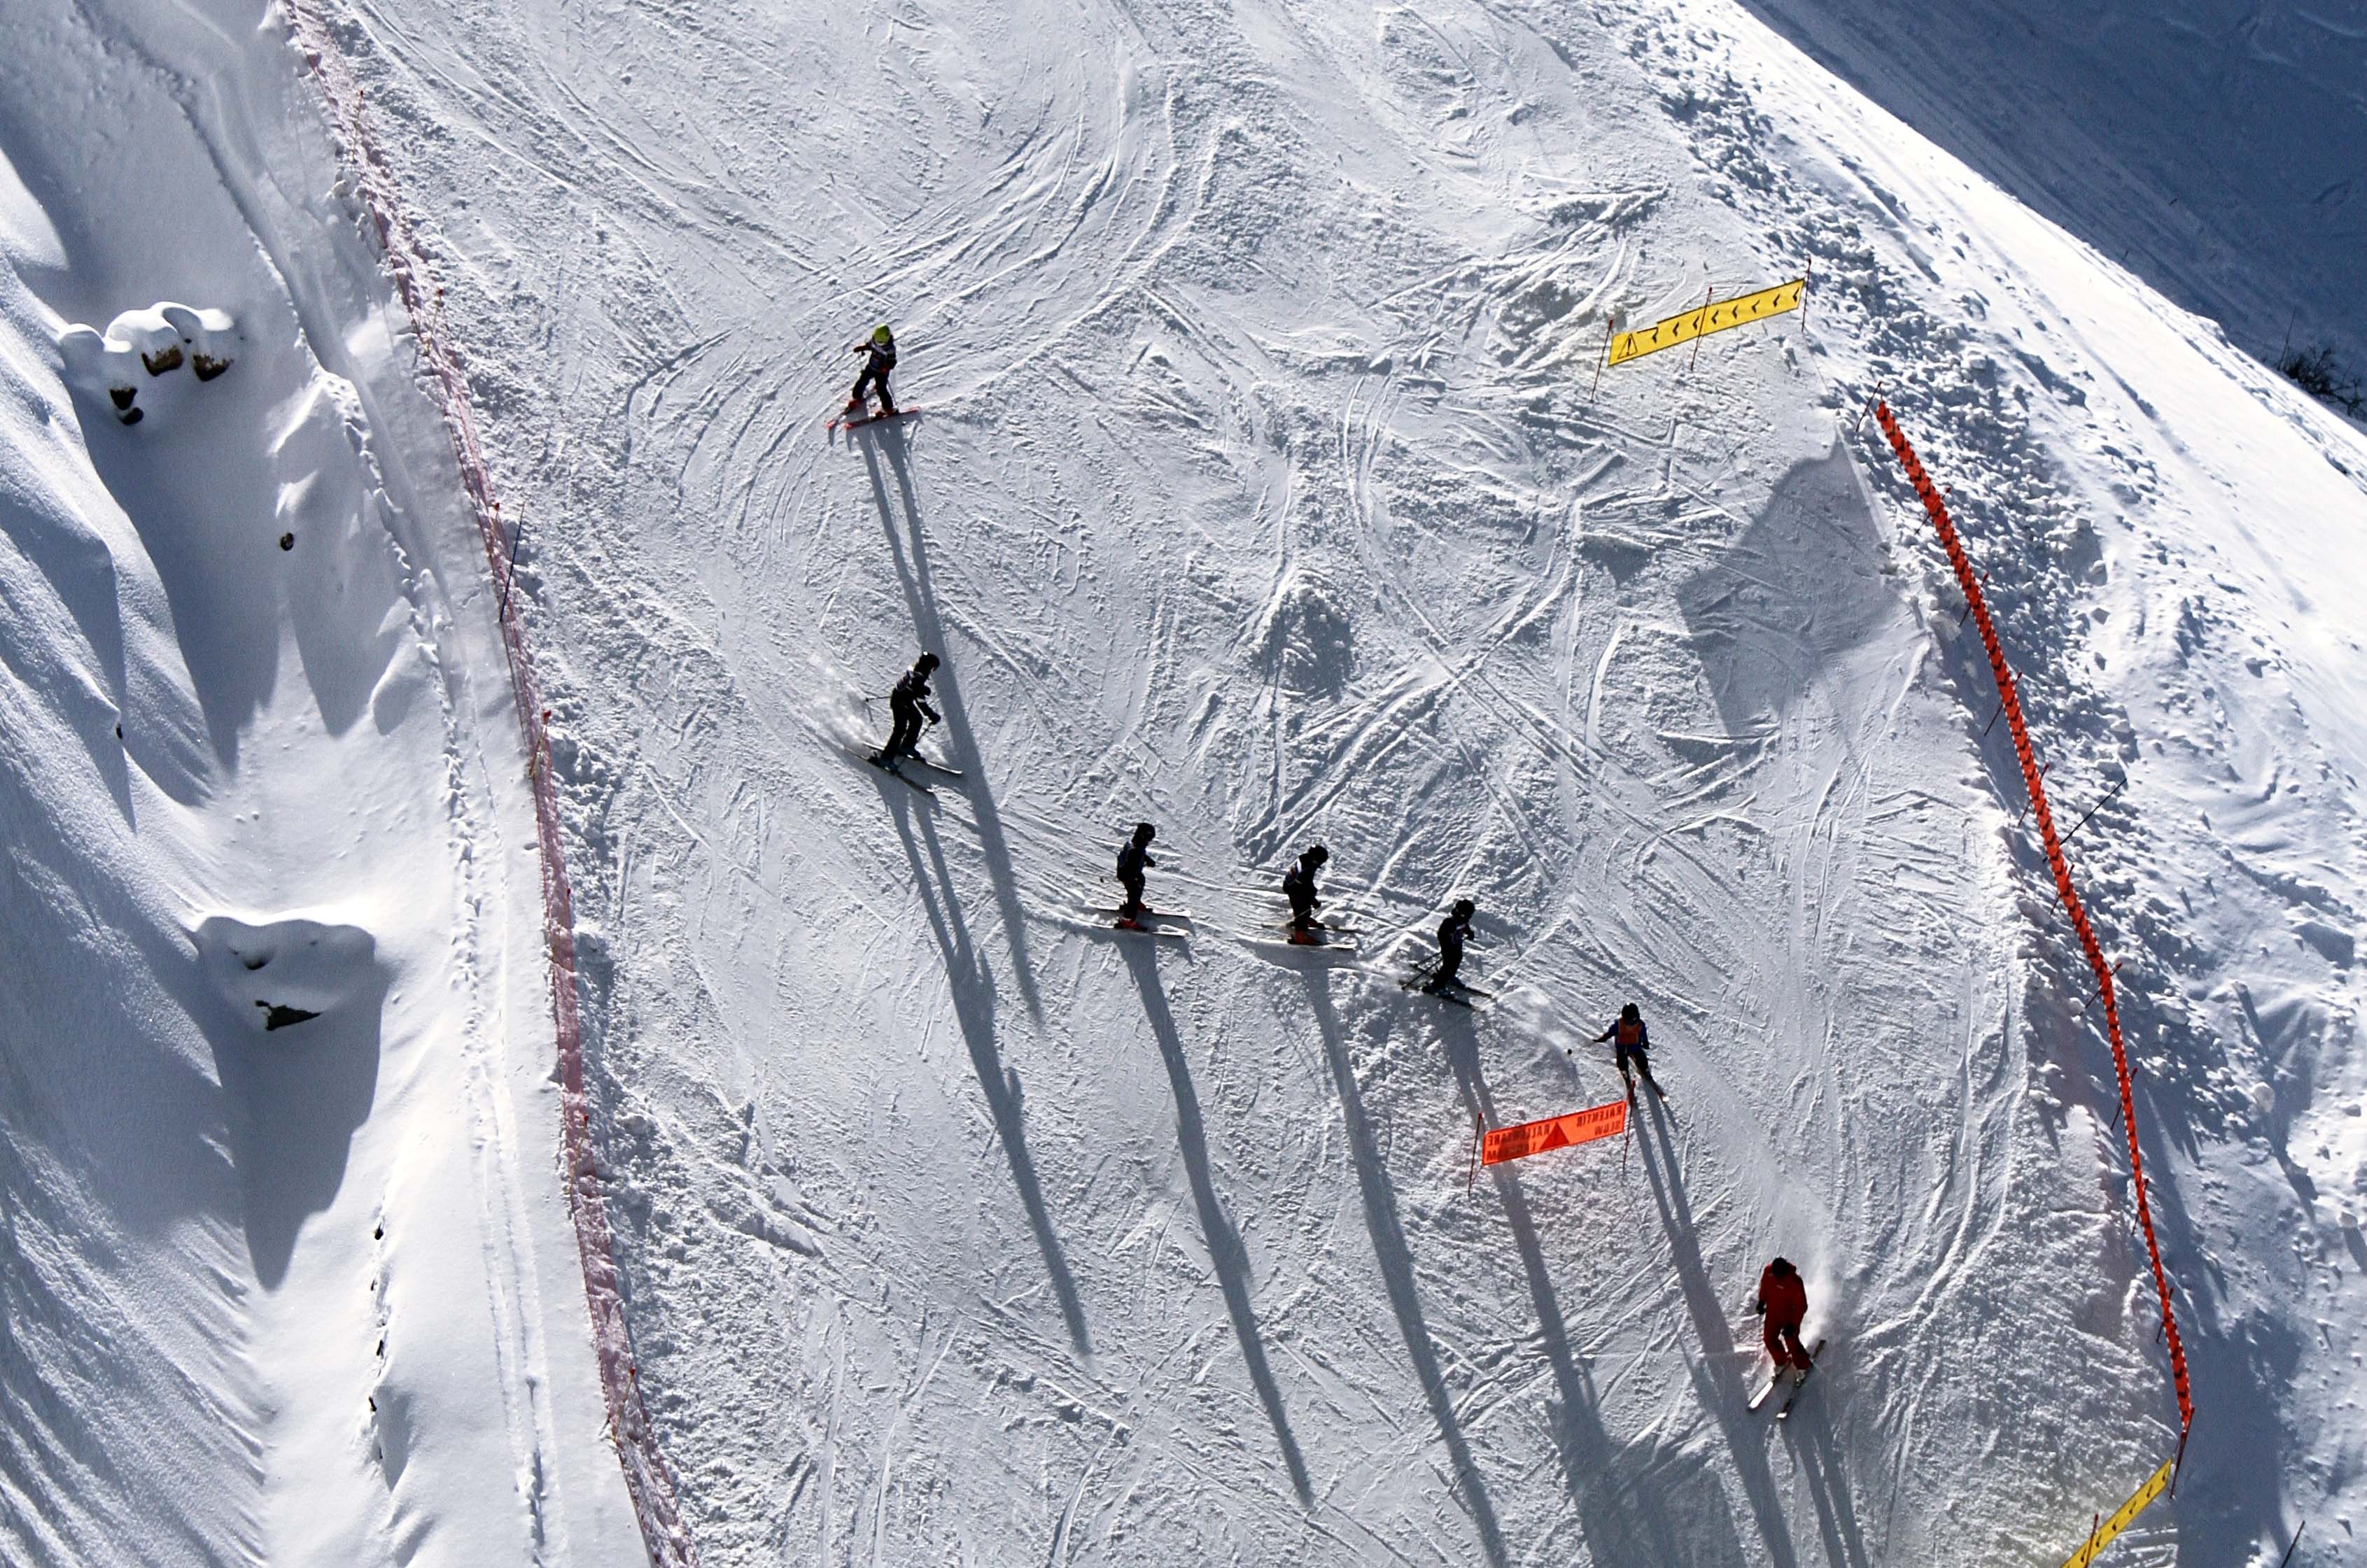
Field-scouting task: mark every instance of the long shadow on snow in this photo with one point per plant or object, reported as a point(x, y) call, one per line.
point(1396, 1260)
point(1720, 1392)
point(1836, 1518)
point(971, 986)
point(1225, 1249)
point(1630, 1511)
point(920, 592)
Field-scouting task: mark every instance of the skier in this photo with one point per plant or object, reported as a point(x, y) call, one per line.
point(879, 358)
point(909, 704)
point(1634, 1044)
point(1133, 858)
point(1784, 1298)
point(1451, 932)
point(1298, 887)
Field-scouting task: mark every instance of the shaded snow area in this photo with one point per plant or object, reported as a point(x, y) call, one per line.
point(284, 1270)
point(1257, 484)
point(2218, 147)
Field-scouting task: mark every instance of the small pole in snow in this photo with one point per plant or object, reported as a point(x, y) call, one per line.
point(509, 573)
point(2295, 1542)
point(1993, 718)
point(1471, 1186)
point(1703, 318)
point(1604, 360)
point(2097, 807)
point(2177, 1468)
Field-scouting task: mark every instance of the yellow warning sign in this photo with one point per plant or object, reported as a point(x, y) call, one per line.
point(2110, 1530)
point(1712, 316)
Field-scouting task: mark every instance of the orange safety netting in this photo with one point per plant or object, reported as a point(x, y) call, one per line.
point(1554, 1132)
point(1937, 509)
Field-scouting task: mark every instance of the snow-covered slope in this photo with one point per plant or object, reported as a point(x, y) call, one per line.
point(1260, 486)
point(1259, 491)
point(286, 1274)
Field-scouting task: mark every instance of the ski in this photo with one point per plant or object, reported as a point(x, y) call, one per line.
point(1343, 949)
point(840, 420)
point(1453, 992)
point(1171, 916)
point(871, 760)
point(1766, 1388)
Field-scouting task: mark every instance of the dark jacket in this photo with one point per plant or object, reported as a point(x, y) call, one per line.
point(1452, 931)
point(1298, 887)
point(1131, 860)
point(912, 693)
point(878, 357)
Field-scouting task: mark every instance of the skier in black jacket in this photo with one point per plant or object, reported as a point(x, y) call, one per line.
point(908, 704)
point(1133, 859)
point(879, 358)
point(1298, 887)
point(1452, 933)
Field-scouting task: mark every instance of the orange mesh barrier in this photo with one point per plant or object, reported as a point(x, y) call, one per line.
point(1554, 1132)
point(1937, 509)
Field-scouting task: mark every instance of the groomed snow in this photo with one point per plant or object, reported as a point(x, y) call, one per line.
point(1259, 488)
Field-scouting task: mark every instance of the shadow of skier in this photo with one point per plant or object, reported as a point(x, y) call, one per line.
point(971, 984)
point(920, 594)
point(1396, 1260)
point(1623, 1521)
point(1226, 1251)
point(1723, 1396)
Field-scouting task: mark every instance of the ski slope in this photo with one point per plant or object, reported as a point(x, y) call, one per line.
point(1260, 488)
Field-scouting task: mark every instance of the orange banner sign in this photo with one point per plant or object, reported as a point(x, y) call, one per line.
point(1554, 1132)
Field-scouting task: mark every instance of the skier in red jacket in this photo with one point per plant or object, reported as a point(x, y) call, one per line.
point(1784, 1298)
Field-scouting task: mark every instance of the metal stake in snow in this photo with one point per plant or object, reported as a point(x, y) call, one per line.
point(2036, 784)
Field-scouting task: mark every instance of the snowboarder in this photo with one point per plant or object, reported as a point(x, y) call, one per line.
point(1298, 887)
point(1133, 859)
point(1784, 1298)
point(1452, 933)
point(879, 358)
point(908, 704)
point(1632, 1043)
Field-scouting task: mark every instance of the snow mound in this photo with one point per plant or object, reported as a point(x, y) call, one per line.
point(288, 971)
point(158, 340)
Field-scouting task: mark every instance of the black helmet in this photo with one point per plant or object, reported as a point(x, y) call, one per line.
point(1464, 908)
point(1144, 832)
point(926, 663)
point(1782, 1268)
point(1316, 854)
point(1631, 1013)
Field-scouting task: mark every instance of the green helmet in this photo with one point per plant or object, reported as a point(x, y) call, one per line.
point(880, 334)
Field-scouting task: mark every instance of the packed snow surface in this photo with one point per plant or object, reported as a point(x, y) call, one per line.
point(1260, 486)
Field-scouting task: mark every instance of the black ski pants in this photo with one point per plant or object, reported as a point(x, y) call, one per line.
point(1132, 883)
point(904, 737)
point(873, 376)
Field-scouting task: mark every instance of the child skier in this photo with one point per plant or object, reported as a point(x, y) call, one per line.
point(908, 704)
point(879, 358)
point(1298, 887)
point(1634, 1043)
point(1133, 859)
point(1452, 933)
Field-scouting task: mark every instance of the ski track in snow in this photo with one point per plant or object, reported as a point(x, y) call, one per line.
point(1258, 490)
